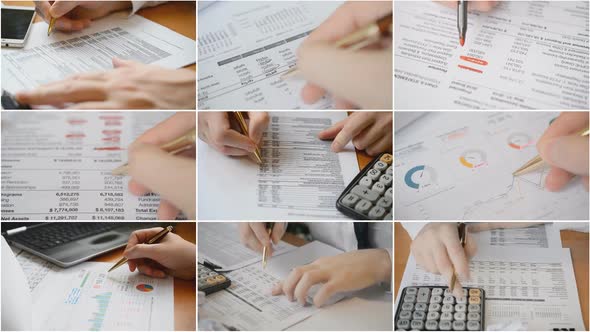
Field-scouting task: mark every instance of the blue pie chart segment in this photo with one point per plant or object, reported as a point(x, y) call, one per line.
point(408, 178)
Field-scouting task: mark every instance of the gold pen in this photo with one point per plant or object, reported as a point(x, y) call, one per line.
point(269, 225)
point(361, 38)
point(244, 127)
point(152, 240)
point(537, 162)
point(462, 239)
point(51, 25)
point(173, 147)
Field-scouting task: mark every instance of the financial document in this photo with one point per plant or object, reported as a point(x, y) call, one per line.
point(525, 289)
point(245, 46)
point(219, 243)
point(57, 165)
point(87, 298)
point(36, 269)
point(520, 55)
point(51, 58)
point(299, 178)
point(453, 165)
point(539, 236)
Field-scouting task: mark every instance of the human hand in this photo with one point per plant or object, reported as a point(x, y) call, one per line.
point(153, 170)
point(341, 273)
point(564, 150)
point(254, 235)
point(76, 15)
point(171, 256)
point(437, 249)
point(355, 79)
point(481, 6)
point(215, 129)
point(369, 131)
point(130, 85)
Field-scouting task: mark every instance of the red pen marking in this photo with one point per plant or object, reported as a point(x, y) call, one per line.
point(110, 117)
point(76, 121)
point(112, 139)
point(474, 60)
point(112, 123)
point(111, 132)
point(76, 135)
point(109, 148)
point(472, 69)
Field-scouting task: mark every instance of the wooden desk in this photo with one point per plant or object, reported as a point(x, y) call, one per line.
point(185, 291)
point(180, 16)
point(576, 241)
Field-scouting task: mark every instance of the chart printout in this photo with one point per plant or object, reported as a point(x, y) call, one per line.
point(519, 55)
point(57, 165)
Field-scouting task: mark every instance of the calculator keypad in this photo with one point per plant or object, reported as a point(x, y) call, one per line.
point(210, 281)
point(434, 308)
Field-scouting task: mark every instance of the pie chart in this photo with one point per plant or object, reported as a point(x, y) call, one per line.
point(146, 288)
point(420, 176)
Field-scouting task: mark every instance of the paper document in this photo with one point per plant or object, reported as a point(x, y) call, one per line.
point(300, 177)
point(529, 288)
point(51, 58)
point(219, 243)
point(248, 304)
point(519, 55)
point(87, 298)
point(36, 269)
point(245, 46)
point(57, 165)
point(451, 165)
point(540, 236)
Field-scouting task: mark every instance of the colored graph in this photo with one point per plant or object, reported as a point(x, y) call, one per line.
point(420, 176)
point(519, 141)
point(144, 288)
point(473, 158)
point(97, 319)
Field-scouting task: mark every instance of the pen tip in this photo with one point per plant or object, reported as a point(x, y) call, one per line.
point(462, 41)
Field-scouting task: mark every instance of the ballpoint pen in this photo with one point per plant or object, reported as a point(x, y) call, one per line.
point(537, 162)
point(244, 127)
point(175, 146)
point(363, 37)
point(462, 239)
point(269, 226)
point(152, 240)
point(51, 25)
point(462, 20)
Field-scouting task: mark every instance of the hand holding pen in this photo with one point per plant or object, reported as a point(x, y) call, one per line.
point(256, 236)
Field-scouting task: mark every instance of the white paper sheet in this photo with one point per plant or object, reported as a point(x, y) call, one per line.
point(300, 177)
point(36, 269)
point(219, 243)
point(57, 165)
point(540, 236)
point(87, 298)
point(47, 59)
point(244, 47)
point(451, 165)
point(17, 303)
point(520, 55)
point(530, 287)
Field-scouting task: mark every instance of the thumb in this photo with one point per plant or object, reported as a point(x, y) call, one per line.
point(118, 63)
point(151, 251)
point(60, 8)
point(567, 152)
point(362, 77)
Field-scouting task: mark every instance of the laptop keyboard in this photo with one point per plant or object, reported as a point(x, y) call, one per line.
point(53, 235)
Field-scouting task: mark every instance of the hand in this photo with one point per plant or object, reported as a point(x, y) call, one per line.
point(437, 249)
point(564, 150)
point(482, 6)
point(355, 79)
point(130, 85)
point(369, 131)
point(254, 235)
point(341, 273)
point(76, 15)
point(171, 256)
point(153, 170)
point(214, 129)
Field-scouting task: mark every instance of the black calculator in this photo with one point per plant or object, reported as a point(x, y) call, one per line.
point(211, 281)
point(370, 195)
point(434, 308)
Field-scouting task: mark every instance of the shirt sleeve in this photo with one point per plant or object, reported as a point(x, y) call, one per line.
point(137, 5)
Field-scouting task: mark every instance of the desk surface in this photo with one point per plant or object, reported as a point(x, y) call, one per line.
point(185, 291)
point(576, 241)
point(180, 16)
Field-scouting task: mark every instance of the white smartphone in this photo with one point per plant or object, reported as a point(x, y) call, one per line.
point(16, 24)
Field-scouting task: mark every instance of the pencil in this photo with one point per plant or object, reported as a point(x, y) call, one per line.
point(244, 127)
point(160, 235)
point(51, 25)
point(270, 225)
point(462, 239)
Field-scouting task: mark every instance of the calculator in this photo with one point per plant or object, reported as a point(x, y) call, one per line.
point(370, 194)
point(434, 308)
point(211, 281)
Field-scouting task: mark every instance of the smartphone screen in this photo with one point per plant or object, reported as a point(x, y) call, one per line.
point(15, 23)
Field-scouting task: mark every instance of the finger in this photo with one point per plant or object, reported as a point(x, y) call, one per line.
point(308, 279)
point(71, 25)
point(154, 252)
point(457, 255)
point(458, 290)
point(261, 233)
point(429, 264)
point(292, 280)
point(443, 263)
point(325, 292)
point(151, 271)
point(342, 104)
point(42, 8)
point(178, 124)
point(370, 135)
point(167, 210)
point(567, 152)
point(557, 178)
point(277, 289)
point(331, 132)
point(118, 63)
point(96, 105)
point(311, 93)
point(382, 145)
point(470, 245)
point(60, 8)
point(357, 122)
point(257, 126)
point(230, 151)
point(137, 188)
point(277, 232)
point(68, 91)
point(231, 138)
point(141, 236)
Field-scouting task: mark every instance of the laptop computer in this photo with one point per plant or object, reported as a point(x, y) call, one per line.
point(70, 243)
